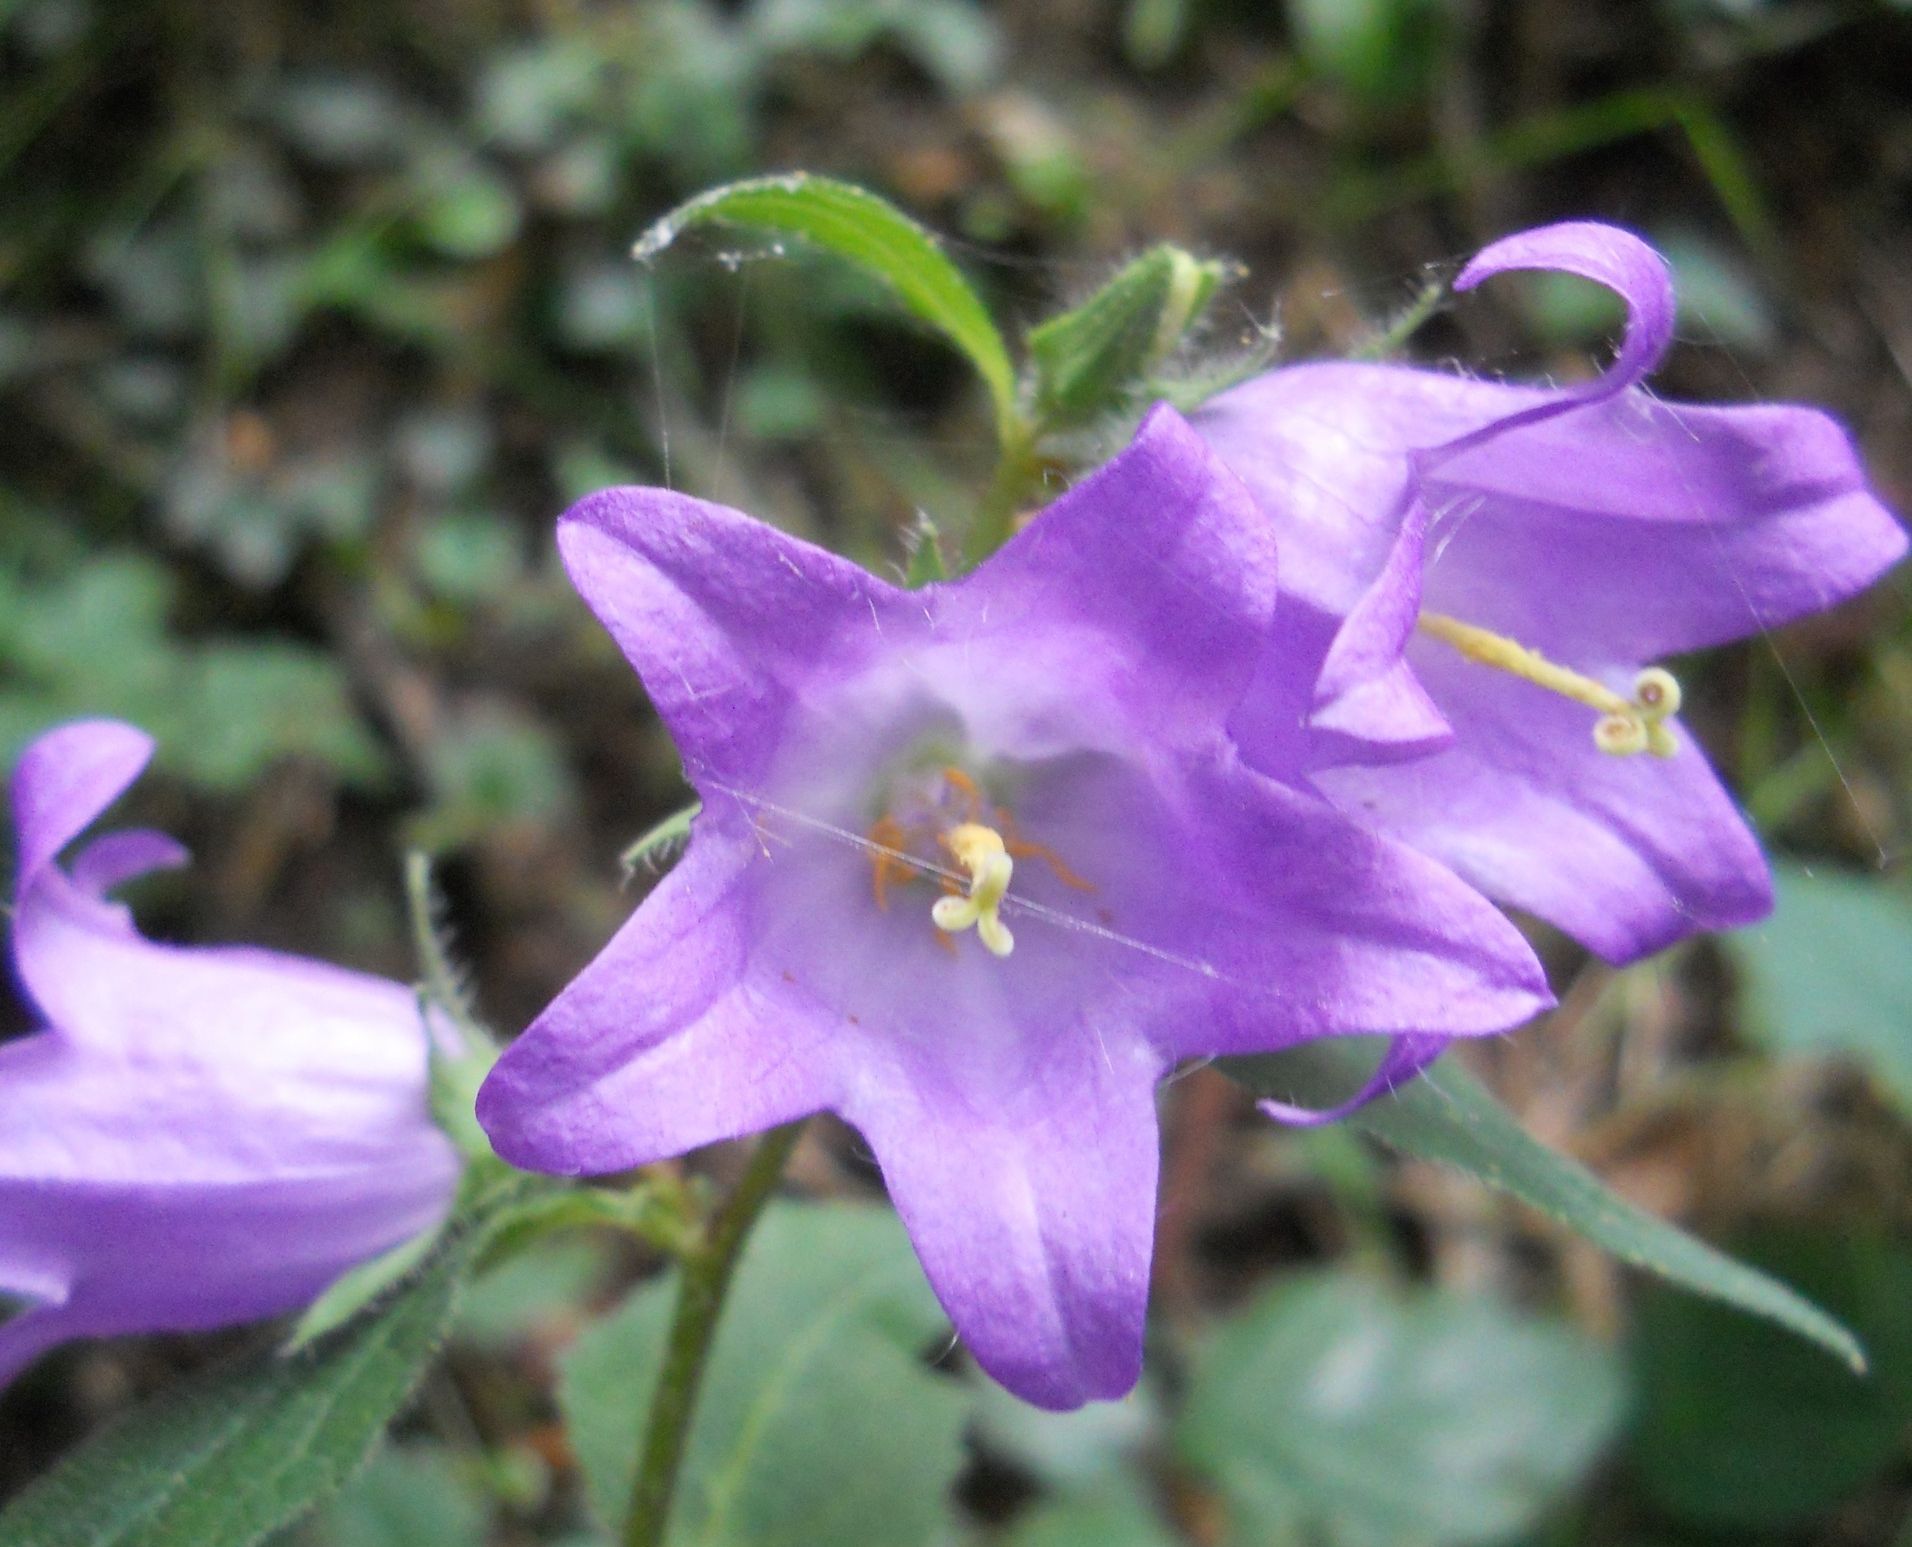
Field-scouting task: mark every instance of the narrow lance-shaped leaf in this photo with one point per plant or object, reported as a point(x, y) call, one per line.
point(860, 228)
point(1446, 1115)
point(242, 1451)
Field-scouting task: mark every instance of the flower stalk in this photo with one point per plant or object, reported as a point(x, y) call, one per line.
point(705, 1269)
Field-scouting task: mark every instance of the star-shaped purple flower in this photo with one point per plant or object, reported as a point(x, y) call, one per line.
point(976, 865)
point(199, 1135)
point(1566, 541)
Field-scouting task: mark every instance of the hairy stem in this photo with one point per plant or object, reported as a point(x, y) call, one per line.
point(706, 1271)
point(1017, 478)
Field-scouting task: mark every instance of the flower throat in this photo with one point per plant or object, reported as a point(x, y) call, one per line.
point(947, 815)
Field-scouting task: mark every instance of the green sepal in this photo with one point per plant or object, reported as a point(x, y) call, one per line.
point(1100, 355)
point(661, 842)
point(926, 566)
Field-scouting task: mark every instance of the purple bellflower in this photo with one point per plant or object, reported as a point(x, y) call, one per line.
point(976, 865)
point(1564, 542)
point(200, 1135)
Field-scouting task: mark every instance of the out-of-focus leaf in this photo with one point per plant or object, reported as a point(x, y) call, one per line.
point(527, 96)
point(468, 210)
point(1445, 1115)
point(1117, 1514)
point(862, 229)
point(345, 120)
point(1719, 297)
point(408, 1496)
point(1334, 1411)
point(223, 710)
point(1153, 31)
point(1073, 1453)
point(818, 1425)
point(1740, 1427)
point(495, 769)
point(1830, 973)
point(1382, 50)
point(521, 1292)
point(470, 558)
point(255, 702)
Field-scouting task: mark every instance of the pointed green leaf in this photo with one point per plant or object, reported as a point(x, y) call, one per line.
point(356, 1289)
point(1447, 1116)
point(862, 229)
point(818, 1425)
point(244, 1450)
point(1739, 1427)
point(1098, 356)
point(926, 566)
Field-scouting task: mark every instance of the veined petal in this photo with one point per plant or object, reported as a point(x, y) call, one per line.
point(154, 1253)
point(1625, 854)
point(1284, 920)
point(724, 618)
point(662, 1044)
point(1636, 528)
point(1029, 1192)
point(1161, 556)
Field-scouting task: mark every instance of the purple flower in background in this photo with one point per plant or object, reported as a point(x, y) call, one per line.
point(199, 1135)
point(976, 865)
point(1566, 541)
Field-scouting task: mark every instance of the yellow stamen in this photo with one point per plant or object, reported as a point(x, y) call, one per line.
point(980, 851)
point(1626, 726)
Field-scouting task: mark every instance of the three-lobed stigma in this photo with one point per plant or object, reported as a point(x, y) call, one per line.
point(944, 812)
point(1626, 727)
point(979, 850)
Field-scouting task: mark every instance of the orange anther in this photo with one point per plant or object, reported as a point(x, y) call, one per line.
point(1021, 848)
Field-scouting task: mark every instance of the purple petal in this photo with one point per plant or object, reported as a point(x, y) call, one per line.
point(1626, 854)
point(1404, 1059)
point(63, 781)
point(1030, 1197)
point(1163, 554)
point(27, 1336)
point(153, 1193)
point(1636, 529)
point(1608, 256)
point(1368, 704)
point(112, 861)
point(1249, 916)
point(662, 1044)
point(725, 619)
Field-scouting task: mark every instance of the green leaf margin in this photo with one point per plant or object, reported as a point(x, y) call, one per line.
point(857, 226)
point(1446, 1115)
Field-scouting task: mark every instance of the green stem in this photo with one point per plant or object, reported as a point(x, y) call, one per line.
point(1017, 469)
point(706, 1272)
